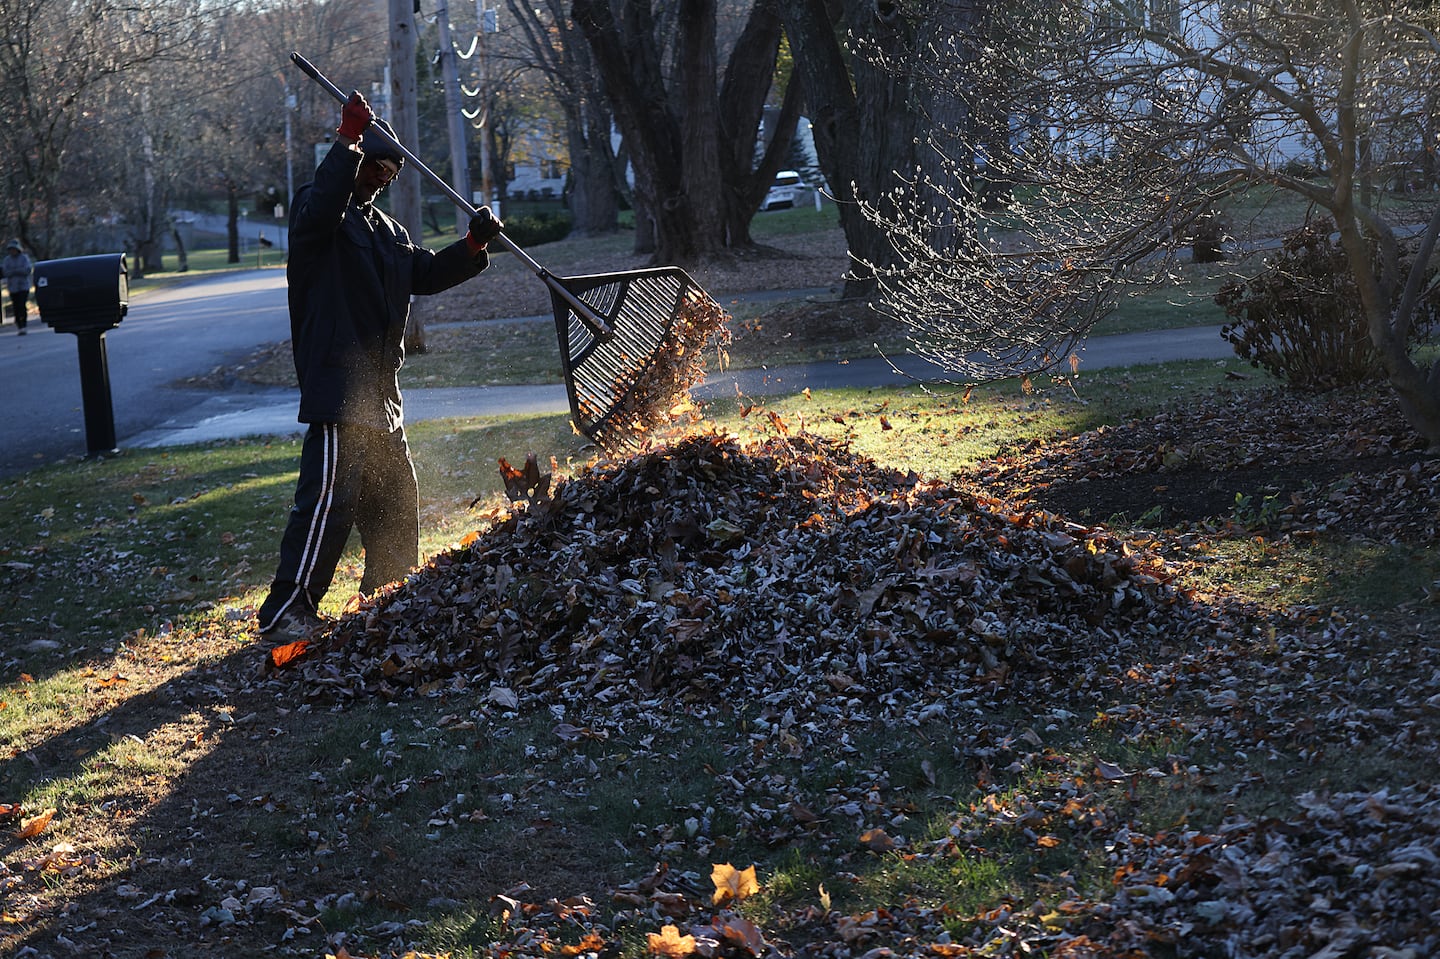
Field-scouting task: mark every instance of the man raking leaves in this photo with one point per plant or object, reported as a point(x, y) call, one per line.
point(630, 344)
point(351, 273)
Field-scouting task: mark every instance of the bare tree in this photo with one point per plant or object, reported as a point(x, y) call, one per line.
point(346, 38)
point(560, 53)
point(749, 76)
point(1127, 123)
point(58, 62)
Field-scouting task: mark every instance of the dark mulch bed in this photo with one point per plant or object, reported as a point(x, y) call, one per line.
point(1344, 461)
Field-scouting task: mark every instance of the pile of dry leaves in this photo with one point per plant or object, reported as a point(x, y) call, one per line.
point(705, 572)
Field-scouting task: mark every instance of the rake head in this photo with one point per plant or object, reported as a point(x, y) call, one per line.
point(624, 381)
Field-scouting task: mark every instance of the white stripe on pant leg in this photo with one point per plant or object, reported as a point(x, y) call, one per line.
point(327, 499)
point(318, 520)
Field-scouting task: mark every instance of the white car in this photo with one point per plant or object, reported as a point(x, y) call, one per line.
point(784, 191)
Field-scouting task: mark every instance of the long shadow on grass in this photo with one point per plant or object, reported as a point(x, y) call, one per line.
point(104, 549)
point(222, 811)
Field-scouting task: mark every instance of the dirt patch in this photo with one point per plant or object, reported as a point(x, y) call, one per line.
point(508, 290)
point(1344, 460)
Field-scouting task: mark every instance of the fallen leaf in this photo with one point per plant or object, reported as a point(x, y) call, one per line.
point(877, 840)
point(282, 656)
point(669, 942)
point(35, 825)
point(732, 883)
point(1110, 771)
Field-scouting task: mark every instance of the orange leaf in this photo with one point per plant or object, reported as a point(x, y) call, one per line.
point(877, 840)
point(1047, 842)
point(9, 810)
point(114, 680)
point(732, 883)
point(26, 678)
point(469, 538)
point(282, 656)
point(36, 825)
point(669, 942)
point(588, 943)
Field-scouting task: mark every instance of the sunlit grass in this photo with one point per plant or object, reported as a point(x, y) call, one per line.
point(1283, 574)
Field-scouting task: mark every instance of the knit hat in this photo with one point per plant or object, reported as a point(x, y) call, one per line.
point(379, 149)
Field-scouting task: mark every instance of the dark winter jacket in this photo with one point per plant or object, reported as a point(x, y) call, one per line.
point(350, 284)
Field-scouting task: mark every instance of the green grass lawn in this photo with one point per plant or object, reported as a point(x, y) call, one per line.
point(126, 602)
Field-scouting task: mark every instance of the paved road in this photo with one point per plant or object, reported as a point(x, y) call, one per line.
point(167, 335)
point(190, 329)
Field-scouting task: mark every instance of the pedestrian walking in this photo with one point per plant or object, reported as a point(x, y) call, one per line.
point(18, 269)
point(351, 273)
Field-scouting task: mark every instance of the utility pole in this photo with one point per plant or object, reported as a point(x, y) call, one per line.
point(404, 111)
point(450, 75)
point(404, 116)
point(487, 21)
point(289, 159)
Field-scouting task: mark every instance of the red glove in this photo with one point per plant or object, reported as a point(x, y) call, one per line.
point(355, 117)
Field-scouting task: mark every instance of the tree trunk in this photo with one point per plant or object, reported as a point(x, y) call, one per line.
point(232, 222)
point(700, 125)
point(837, 125)
point(594, 204)
point(942, 108)
point(182, 259)
point(595, 199)
point(677, 136)
point(748, 77)
point(1417, 393)
point(628, 62)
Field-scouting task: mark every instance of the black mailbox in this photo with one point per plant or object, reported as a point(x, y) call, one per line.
point(82, 293)
point(87, 296)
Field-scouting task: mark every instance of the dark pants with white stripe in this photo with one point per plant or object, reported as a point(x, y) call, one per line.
point(350, 476)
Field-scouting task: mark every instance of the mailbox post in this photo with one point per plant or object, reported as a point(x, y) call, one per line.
point(87, 296)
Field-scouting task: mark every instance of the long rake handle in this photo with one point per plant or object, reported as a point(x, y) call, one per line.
point(588, 315)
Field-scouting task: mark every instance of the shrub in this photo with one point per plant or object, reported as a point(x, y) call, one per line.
point(1207, 236)
point(533, 229)
point(1301, 318)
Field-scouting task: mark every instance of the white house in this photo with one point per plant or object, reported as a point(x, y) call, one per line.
point(1147, 82)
